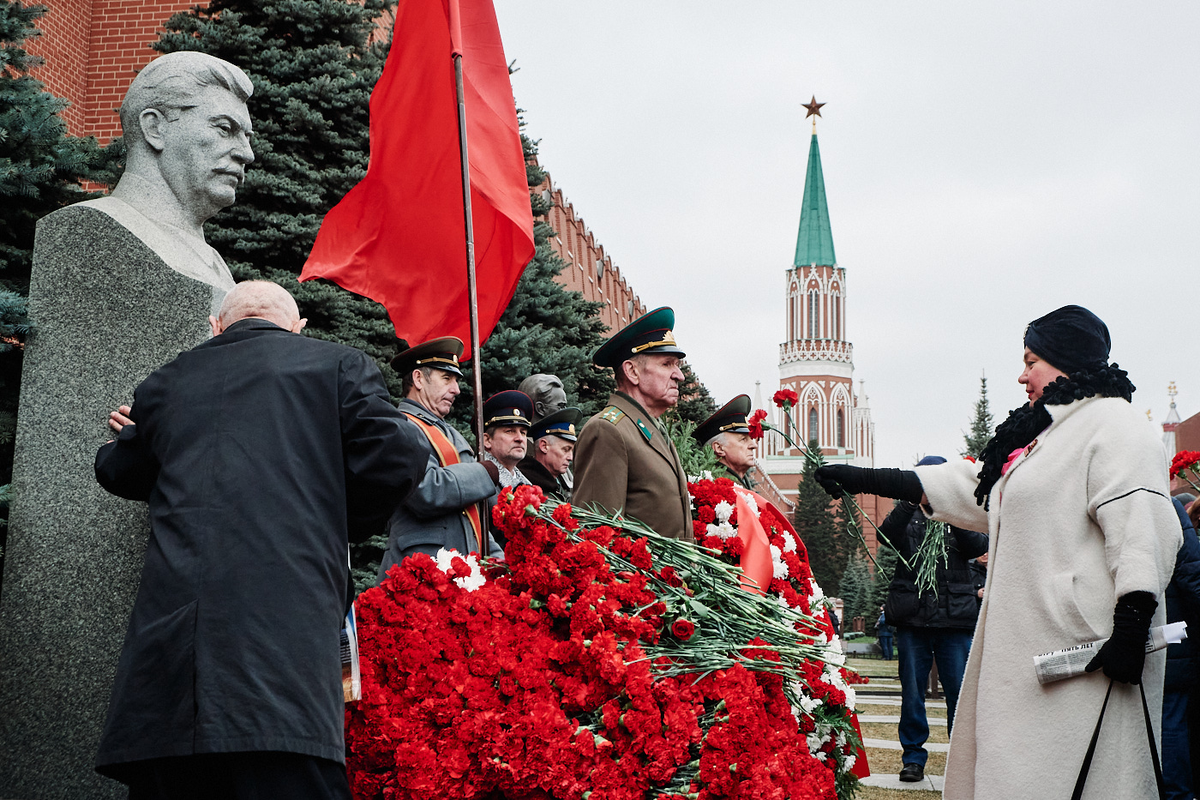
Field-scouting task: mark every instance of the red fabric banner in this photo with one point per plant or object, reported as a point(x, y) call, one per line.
point(757, 570)
point(398, 237)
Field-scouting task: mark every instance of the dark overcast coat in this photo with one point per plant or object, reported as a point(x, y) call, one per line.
point(260, 452)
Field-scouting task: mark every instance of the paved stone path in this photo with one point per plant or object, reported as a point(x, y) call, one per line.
point(933, 783)
point(895, 720)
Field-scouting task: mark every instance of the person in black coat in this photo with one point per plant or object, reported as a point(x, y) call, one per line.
point(261, 454)
point(930, 625)
point(1179, 735)
point(551, 451)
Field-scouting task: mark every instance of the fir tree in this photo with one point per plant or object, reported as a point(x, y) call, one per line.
point(313, 64)
point(820, 532)
point(41, 168)
point(856, 591)
point(695, 403)
point(981, 426)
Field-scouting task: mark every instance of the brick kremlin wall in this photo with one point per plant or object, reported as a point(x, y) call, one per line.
point(93, 48)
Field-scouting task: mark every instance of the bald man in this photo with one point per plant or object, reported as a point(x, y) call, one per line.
point(261, 453)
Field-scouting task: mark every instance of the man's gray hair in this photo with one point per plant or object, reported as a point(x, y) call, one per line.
point(722, 437)
point(262, 299)
point(171, 81)
point(407, 382)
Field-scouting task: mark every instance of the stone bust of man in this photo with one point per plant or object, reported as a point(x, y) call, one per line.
point(119, 286)
point(187, 136)
point(546, 392)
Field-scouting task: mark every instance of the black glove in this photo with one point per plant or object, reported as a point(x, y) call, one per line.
point(897, 483)
point(1123, 655)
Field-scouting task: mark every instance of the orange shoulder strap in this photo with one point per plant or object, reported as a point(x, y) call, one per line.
point(447, 454)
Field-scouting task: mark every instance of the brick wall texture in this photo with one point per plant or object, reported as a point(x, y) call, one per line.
point(92, 50)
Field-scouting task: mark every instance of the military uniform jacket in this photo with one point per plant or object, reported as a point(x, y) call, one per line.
point(433, 513)
point(260, 453)
point(624, 461)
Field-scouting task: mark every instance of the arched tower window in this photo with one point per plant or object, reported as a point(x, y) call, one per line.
point(835, 317)
point(814, 313)
point(791, 314)
point(841, 428)
point(813, 423)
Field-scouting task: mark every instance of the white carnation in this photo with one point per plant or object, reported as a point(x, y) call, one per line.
point(780, 569)
point(848, 763)
point(834, 657)
point(751, 503)
point(817, 594)
point(789, 543)
point(723, 511)
point(445, 561)
point(722, 531)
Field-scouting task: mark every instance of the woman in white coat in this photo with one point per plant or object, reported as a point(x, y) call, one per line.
point(1073, 490)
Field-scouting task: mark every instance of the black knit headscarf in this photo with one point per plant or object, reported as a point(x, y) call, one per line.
point(1075, 341)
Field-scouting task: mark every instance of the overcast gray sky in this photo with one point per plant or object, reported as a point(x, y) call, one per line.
point(984, 163)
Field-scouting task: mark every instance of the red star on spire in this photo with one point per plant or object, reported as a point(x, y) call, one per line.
point(813, 107)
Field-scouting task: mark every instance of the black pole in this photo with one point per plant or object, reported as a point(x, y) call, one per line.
point(472, 293)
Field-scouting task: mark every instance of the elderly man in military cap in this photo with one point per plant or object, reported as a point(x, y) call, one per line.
point(625, 461)
point(552, 451)
point(442, 511)
point(505, 423)
point(728, 434)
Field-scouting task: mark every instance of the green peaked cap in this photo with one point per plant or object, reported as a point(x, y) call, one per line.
point(649, 334)
point(730, 417)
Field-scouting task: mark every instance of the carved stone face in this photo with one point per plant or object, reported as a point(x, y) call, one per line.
point(553, 399)
point(205, 151)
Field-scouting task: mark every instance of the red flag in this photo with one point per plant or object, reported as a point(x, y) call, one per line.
point(398, 237)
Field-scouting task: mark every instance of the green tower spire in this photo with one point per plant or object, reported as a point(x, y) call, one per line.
point(814, 245)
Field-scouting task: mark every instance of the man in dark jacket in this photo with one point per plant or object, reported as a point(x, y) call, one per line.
point(1183, 604)
point(261, 453)
point(929, 625)
point(551, 451)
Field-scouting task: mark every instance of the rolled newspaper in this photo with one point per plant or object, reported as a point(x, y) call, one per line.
point(1072, 661)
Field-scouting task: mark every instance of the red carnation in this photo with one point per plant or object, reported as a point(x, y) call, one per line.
point(755, 422)
point(682, 630)
point(1184, 459)
point(785, 398)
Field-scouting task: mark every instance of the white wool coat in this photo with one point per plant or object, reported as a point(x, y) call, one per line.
point(1081, 518)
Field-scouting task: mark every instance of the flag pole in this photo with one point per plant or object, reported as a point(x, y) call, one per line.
point(472, 294)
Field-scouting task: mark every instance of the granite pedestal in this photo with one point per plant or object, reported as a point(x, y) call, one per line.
point(107, 311)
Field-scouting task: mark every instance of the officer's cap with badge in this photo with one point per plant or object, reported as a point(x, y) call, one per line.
point(443, 354)
point(731, 418)
point(650, 334)
point(561, 423)
point(507, 408)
